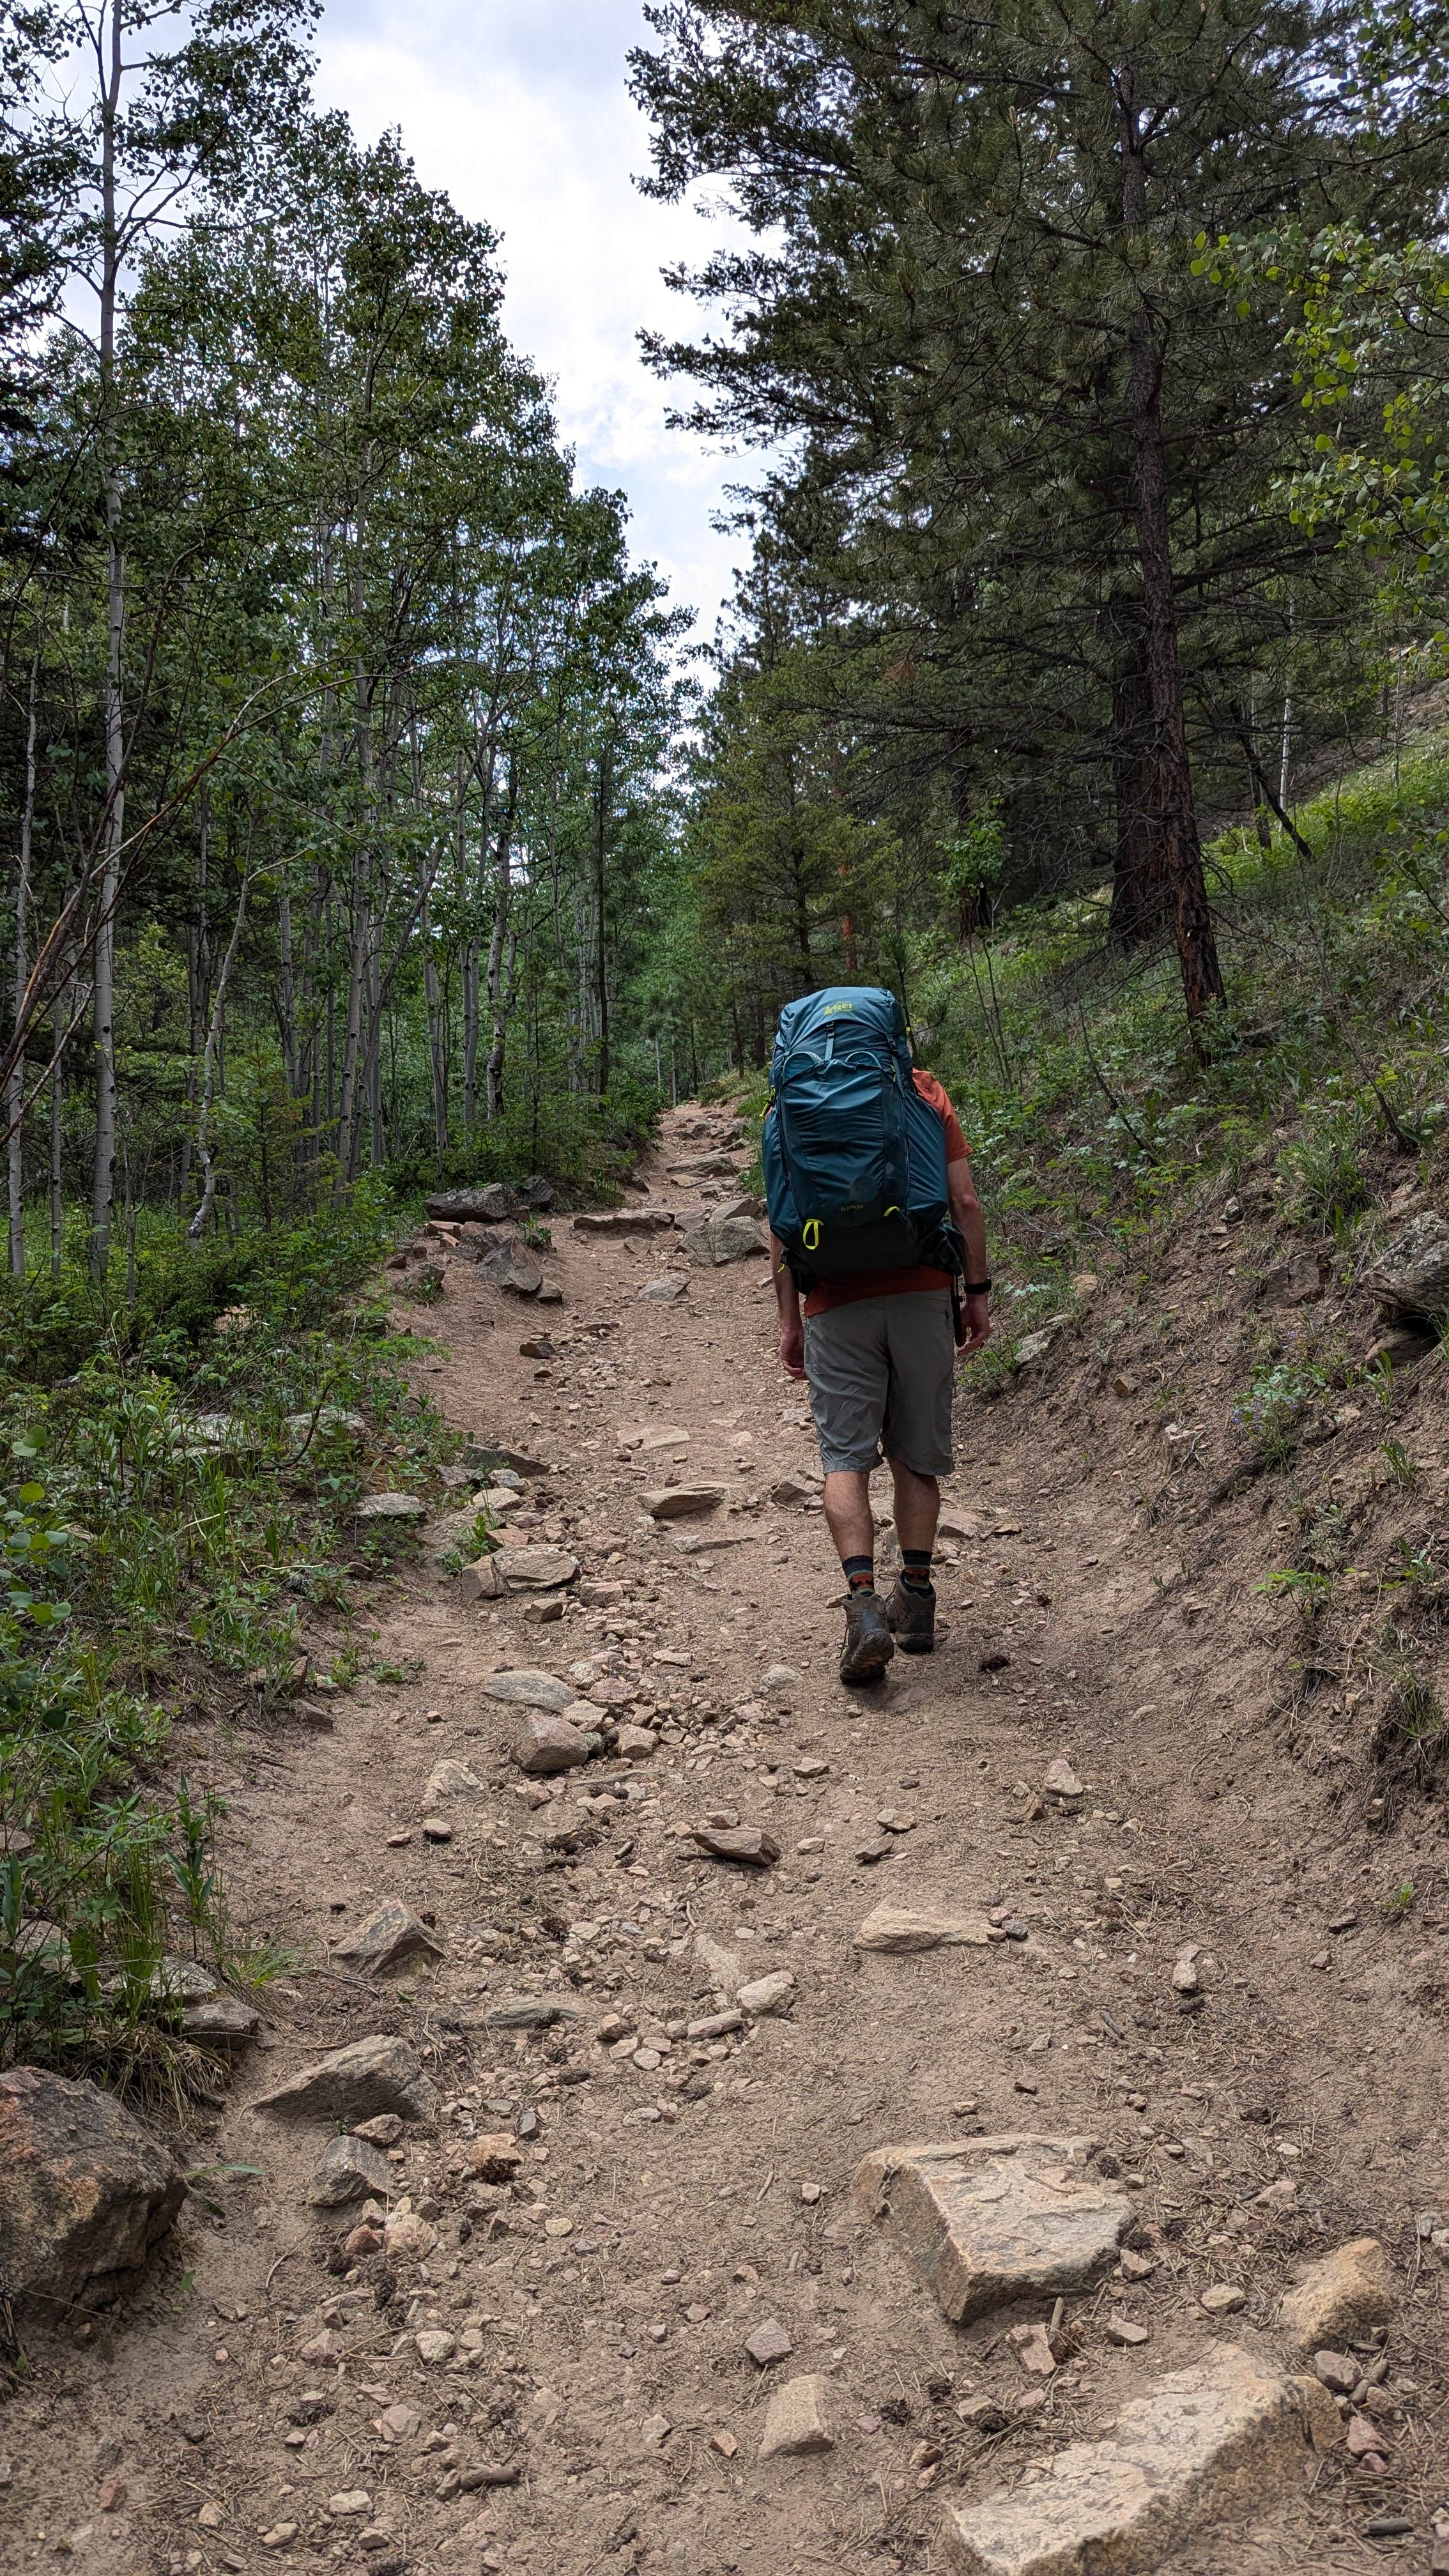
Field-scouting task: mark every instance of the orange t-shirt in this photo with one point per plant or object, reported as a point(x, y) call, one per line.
point(917, 1275)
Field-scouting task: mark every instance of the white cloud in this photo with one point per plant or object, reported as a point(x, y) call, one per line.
point(518, 108)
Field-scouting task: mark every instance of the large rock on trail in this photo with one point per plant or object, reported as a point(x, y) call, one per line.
point(389, 1935)
point(536, 1569)
point(84, 2191)
point(1411, 1275)
point(545, 1742)
point(509, 1264)
point(625, 1221)
point(1208, 2446)
point(356, 2083)
point(985, 2221)
point(681, 1502)
point(723, 1238)
point(492, 1204)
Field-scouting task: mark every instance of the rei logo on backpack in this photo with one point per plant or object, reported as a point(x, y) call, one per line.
point(855, 1159)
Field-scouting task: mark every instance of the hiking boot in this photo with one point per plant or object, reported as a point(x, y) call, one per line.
point(869, 1644)
point(911, 1613)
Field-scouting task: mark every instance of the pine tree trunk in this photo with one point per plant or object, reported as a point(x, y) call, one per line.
point(1139, 892)
point(603, 803)
point(1175, 817)
point(503, 940)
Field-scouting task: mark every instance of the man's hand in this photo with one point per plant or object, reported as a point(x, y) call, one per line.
point(977, 1312)
point(792, 1345)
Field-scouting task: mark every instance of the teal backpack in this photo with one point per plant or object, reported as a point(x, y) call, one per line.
point(854, 1158)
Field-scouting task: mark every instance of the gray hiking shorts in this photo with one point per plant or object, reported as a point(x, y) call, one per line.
point(881, 1373)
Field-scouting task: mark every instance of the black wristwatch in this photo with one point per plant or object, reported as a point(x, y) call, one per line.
point(976, 1287)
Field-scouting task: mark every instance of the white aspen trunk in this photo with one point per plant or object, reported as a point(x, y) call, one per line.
point(205, 1156)
point(16, 1100)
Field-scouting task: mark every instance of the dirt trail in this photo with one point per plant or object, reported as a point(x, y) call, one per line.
point(677, 2194)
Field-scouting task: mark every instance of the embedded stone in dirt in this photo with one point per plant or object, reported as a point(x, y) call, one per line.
point(84, 2191)
point(678, 1502)
point(625, 1221)
point(894, 1929)
point(436, 1829)
point(635, 1744)
point(529, 2012)
point(1294, 1283)
point(719, 1966)
point(1223, 2299)
point(1339, 2372)
point(747, 1843)
point(723, 1238)
point(769, 2343)
point(537, 1569)
point(494, 2158)
point(355, 2083)
point(387, 1936)
point(530, 1689)
point(795, 2423)
point(391, 1507)
point(329, 1420)
point(450, 1779)
point(988, 2220)
point(349, 2170)
point(1209, 2444)
point(1341, 2297)
point(545, 1742)
point(1061, 1782)
point(796, 1489)
point(772, 1994)
point(663, 1292)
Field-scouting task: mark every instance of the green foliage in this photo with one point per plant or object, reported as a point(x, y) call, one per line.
point(1310, 1593)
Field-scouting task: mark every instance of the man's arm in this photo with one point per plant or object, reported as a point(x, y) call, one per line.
point(966, 1214)
point(787, 1298)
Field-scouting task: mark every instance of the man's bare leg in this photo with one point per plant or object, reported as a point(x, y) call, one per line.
point(918, 1506)
point(848, 1514)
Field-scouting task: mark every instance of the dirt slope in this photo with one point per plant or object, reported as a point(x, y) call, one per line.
point(678, 2194)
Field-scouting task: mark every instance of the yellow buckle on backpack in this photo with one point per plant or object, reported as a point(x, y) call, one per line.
point(810, 1234)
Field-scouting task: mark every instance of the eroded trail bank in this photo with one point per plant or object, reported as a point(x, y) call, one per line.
point(634, 2272)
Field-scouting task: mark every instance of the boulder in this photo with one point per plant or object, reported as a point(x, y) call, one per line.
point(356, 2083)
point(546, 1742)
point(986, 2221)
point(1411, 1274)
point(1341, 2297)
point(492, 1204)
point(1211, 2444)
point(388, 1936)
point(536, 1191)
point(529, 1689)
point(724, 1238)
point(795, 2423)
point(537, 1569)
point(84, 2191)
point(349, 2170)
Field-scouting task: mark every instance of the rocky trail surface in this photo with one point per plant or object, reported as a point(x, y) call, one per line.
point(989, 2124)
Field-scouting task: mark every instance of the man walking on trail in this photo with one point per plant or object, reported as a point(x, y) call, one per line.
point(865, 1160)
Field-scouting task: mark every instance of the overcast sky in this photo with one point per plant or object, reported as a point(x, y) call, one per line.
point(518, 108)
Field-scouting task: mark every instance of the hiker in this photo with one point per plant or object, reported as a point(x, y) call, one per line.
point(874, 1217)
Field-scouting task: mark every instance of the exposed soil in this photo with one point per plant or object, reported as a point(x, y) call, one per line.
point(668, 2208)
